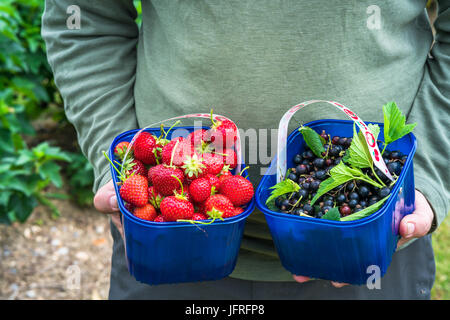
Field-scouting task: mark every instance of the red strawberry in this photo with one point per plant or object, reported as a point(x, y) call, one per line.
point(223, 133)
point(198, 137)
point(214, 163)
point(214, 180)
point(162, 178)
point(230, 158)
point(238, 189)
point(194, 167)
point(176, 207)
point(238, 210)
point(176, 157)
point(135, 166)
point(219, 206)
point(200, 189)
point(154, 197)
point(121, 149)
point(144, 148)
point(134, 190)
point(159, 218)
point(199, 216)
point(147, 212)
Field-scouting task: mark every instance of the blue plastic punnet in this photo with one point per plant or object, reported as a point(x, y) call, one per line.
point(345, 251)
point(175, 252)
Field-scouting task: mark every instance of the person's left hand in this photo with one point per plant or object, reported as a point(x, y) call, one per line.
point(414, 225)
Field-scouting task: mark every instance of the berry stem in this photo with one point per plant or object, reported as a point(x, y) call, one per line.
point(121, 176)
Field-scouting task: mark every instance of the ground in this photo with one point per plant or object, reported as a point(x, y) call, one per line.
point(64, 258)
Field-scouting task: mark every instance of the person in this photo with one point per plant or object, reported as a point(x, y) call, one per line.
point(252, 60)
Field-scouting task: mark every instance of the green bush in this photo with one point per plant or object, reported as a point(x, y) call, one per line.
point(28, 92)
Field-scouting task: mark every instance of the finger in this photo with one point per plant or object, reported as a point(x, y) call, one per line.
point(339, 284)
point(418, 223)
point(301, 279)
point(105, 199)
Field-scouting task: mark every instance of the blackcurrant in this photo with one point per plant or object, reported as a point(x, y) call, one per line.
point(314, 185)
point(319, 163)
point(384, 192)
point(303, 193)
point(308, 209)
point(292, 176)
point(353, 196)
point(394, 167)
point(352, 203)
point(320, 174)
point(363, 192)
point(301, 169)
point(340, 199)
point(298, 159)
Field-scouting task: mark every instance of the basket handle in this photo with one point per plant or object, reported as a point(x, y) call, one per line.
point(369, 138)
point(237, 145)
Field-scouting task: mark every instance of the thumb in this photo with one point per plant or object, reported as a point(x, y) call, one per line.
point(418, 223)
point(105, 199)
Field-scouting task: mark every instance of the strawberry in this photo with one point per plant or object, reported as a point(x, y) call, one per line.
point(176, 207)
point(144, 148)
point(199, 216)
point(200, 189)
point(238, 189)
point(223, 133)
point(194, 167)
point(135, 166)
point(134, 190)
point(159, 218)
point(147, 212)
point(176, 157)
point(154, 197)
point(121, 149)
point(230, 158)
point(213, 162)
point(238, 210)
point(213, 180)
point(198, 137)
point(219, 206)
point(165, 178)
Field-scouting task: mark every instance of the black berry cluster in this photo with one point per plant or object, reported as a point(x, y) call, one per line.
point(309, 171)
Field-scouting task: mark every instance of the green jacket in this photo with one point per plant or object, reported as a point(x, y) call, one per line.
point(251, 61)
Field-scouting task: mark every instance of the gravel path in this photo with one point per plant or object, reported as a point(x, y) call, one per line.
point(64, 258)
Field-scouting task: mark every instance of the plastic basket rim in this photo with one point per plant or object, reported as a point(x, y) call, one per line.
point(170, 224)
point(358, 222)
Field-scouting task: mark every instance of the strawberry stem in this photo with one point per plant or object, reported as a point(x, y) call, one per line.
point(121, 176)
point(173, 152)
point(166, 133)
point(243, 170)
point(181, 184)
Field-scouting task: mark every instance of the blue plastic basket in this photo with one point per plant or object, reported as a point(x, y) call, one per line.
point(336, 250)
point(175, 252)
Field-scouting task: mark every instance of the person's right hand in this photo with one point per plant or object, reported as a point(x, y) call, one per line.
point(105, 201)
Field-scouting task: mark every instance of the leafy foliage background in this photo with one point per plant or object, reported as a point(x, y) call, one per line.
point(30, 165)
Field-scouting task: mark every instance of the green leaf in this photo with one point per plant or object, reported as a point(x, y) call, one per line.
point(22, 206)
point(50, 170)
point(394, 123)
point(332, 214)
point(358, 154)
point(365, 212)
point(340, 174)
point(283, 187)
point(313, 140)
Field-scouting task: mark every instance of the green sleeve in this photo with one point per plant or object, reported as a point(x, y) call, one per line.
point(431, 112)
point(94, 69)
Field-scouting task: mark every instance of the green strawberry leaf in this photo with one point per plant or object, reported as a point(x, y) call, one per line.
point(283, 187)
point(365, 212)
point(332, 214)
point(313, 140)
point(394, 123)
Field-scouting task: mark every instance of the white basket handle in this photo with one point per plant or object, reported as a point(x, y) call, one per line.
point(282, 138)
